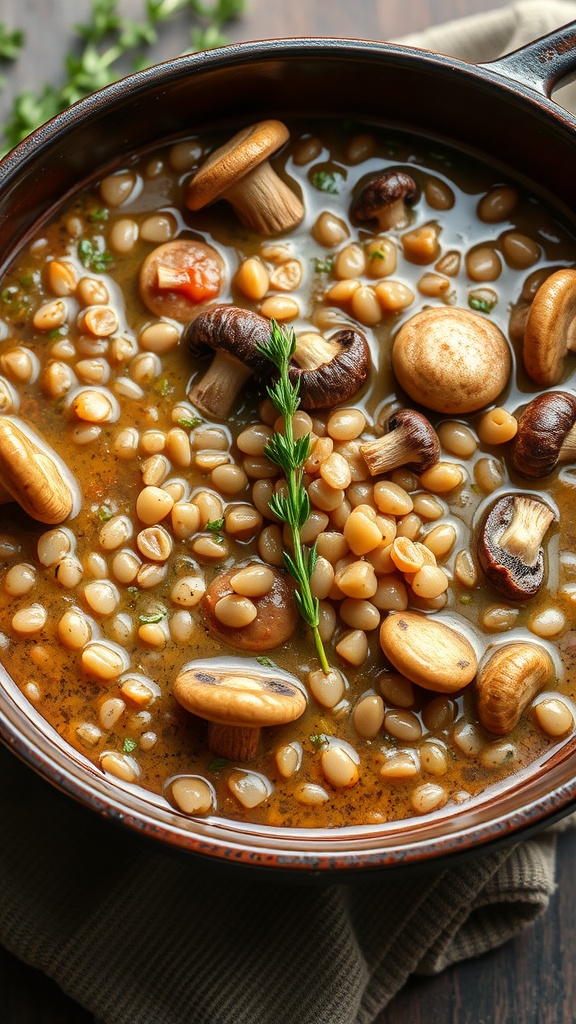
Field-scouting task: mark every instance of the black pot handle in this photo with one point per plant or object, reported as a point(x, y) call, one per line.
point(543, 63)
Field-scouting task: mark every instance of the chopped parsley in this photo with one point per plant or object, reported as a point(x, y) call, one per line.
point(376, 255)
point(214, 525)
point(98, 215)
point(264, 660)
point(163, 387)
point(190, 424)
point(104, 513)
point(217, 764)
point(129, 745)
point(324, 266)
point(481, 305)
point(327, 181)
point(319, 740)
point(91, 257)
point(153, 617)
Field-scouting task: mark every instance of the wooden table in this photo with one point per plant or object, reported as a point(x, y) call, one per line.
point(531, 980)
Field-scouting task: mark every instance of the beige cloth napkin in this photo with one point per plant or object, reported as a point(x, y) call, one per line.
point(141, 936)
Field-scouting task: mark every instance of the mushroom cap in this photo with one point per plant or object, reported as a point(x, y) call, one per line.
point(390, 187)
point(428, 652)
point(551, 328)
point(451, 360)
point(239, 697)
point(198, 264)
point(542, 429)
point(276, 619)
point(507, 570)
point(230, 329)
point(236, 158)
point(336, 379)
point(34, 475)
point(410, 441)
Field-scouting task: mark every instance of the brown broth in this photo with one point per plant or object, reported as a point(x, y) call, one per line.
point(159, 741)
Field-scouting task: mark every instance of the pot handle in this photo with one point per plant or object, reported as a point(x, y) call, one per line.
point(543, 63)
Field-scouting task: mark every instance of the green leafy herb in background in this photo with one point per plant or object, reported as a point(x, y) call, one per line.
point(107, 41)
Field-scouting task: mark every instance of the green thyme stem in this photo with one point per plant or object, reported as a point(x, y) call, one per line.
point(293, 507)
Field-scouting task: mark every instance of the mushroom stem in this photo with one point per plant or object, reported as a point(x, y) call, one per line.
point(386, 199)
point(264, 203)
point(411, 441)
point(393, 217)
point(233, 742)
point(312, 350)
point(510, 545)
point(329, 371)
point(216, 392)
point(568, 450)
point(524, 534)
point(33, 475)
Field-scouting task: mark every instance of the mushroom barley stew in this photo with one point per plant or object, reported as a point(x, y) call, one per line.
point(290, 418)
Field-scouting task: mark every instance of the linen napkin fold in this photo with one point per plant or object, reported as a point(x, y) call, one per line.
point(142, 936)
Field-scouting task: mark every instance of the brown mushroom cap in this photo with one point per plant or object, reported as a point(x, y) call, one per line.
point(451, 360)
point(276, 619)
point(329, 370)
point(34, 475)
point(175, 272)
point(240, 172)
point(510, 545)
point(546, 434)
point(508, 681)
point(386, 199)
point(411, 441)
point(551, 328)
point(233, 333)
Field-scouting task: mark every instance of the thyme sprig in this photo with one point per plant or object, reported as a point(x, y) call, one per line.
point(290, 453)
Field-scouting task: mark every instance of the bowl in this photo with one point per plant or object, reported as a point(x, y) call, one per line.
point(477, 109)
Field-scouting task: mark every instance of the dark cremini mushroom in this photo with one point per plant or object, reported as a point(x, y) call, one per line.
point(34, 476)
point(237, 703)
point(386, 199)
point(241, 173)
point(510, 545)
point(410, 441)
point(233, 334)
point(546, 434)
point(551, 328)
point(276, 613)
point(451, 360)
point(329, 370)
point(179, 277)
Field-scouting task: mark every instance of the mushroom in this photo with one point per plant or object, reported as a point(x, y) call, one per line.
point(551, 328)
point(233, 333)
point(276, 613)
point(510, 545)
point(451, 360)
point(428, 652)
point(508, 681)
point(178, 277)
point(241, 173)
point(519, 312)
point(546, 434)
point(237, 702)
point(386, 199)
point(329, 370)
point(410, 441)
point(34, 476)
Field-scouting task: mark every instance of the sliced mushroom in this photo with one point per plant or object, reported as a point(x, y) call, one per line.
point(510, 545)
point(34, 476)
point(508, 681)
point(387, 200)
point(429, 653)
point(329, 370)
point(410, 441)
point(276, 613)
point(237, 703)
point(546, 434)
point(551, 328)
point(520, 310)
point(178, 278)
point(241, 173)
point(451, 360)
point(233, 334)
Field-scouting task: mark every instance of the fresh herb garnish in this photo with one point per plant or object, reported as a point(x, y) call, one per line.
point(481, 305)
point(327, 181)
point(98, 215)
point(163, 387)
point(91, 257)
point(104, 513)
point(290, 453)
point(190, 424)
point(319, 740)
point(324, 266)
point(376, 255)
point(214, 525)
point(217, 764)
point(154, 617)
point(264, 660)
point(129, 745)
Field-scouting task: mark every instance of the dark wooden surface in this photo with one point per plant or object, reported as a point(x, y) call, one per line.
point(530, 980)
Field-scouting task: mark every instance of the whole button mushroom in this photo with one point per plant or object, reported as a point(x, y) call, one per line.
point(240, 172)
point(276, 613)
point(34, 475)
point(546, 434)
point(410, 441)
point(508, 681)
point(428, 652)
point(178, 278)
point(237, 703)
point(233, 334)
point(451, 360)
point(387, 200)
point(328, 371)
point(551, 328)
point(510, 545)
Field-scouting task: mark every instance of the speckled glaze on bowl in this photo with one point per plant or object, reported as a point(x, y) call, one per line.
point(480, 109)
